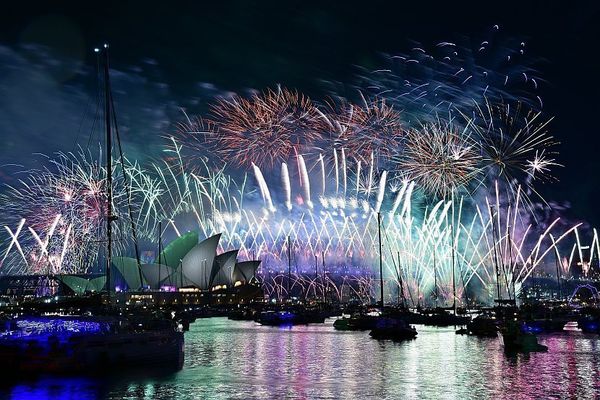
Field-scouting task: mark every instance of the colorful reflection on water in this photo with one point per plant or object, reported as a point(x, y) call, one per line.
point(242, 360)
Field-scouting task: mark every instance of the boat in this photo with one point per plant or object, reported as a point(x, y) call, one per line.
point(383, 321)
point(242, 314)
point(289, 316)
point(516, 340)
point(589, 324)
point(441, 317)
point(546, 325)
point(482, 326)
point(392, 329)
point(365, 319)
point(357, 322)
point(89, 344)
point(544, 318)
point(279, 318)
point(342, 324)
point(104, 337)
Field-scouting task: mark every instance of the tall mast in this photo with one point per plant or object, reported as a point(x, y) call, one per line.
point(511, 269)
point(316, 274)
point(380, 260)
point(289, 295)
point(181, 273)
point(556, 257)
point(453, 243)
point(324, 279)
point(435, 277)
point(493, 216)
point(452, 252)
point(464, 284)
point(399, 279)
point(109, 216)
point(401, 291)
point(159, 251)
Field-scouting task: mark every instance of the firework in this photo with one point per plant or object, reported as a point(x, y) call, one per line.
point(340, 228)
point(515, 144)
point(62, 213)
point(440, 157)
point(200, 138)
point(374, 128)
point(63, 206)
point(451, 75)
point(266, 129)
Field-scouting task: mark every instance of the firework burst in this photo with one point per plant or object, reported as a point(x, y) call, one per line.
point(363, 131)
point(200, 138)
point(450, 75)
point(63, 207)
point(66, 202)
point(515, 144)
point(266, 129)
point(441, 157)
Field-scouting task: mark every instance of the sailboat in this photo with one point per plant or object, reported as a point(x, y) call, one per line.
point(102, 338)
point(293, 312)
point(440, 316)
point(386, 325)
point(365, 319)
point(515, 335)
point(383, 324)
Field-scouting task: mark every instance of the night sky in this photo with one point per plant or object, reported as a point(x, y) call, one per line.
point(170, 55)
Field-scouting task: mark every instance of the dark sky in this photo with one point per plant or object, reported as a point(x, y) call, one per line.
point(170, 50)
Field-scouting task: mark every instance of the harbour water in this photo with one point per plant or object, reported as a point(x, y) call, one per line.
point(243, 360)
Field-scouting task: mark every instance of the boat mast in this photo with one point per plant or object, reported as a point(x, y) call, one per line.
point(399, 280)
point(316, 274)
point(464, 284)
point(380, 259)
point(324, 279)
point(453, 244)
point(511, 269)
point(181, 273)
point(492, 215)
point(452, 249)
point(159, 251)
point(289, 267)
point(109, 216)
point(556, 258)
point(401, 291)
point(418, 295)
point(435, 278)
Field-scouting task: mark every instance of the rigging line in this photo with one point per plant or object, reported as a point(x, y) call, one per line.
point(126, 184)
point(462, 276)
point(98, 103)
point(83, 118)
point(398, 268)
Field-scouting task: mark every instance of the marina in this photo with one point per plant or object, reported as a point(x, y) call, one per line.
point(241, 359)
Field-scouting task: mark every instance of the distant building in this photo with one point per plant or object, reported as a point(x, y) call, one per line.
point(187, 272)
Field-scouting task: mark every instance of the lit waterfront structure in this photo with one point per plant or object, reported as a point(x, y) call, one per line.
point(186, 264)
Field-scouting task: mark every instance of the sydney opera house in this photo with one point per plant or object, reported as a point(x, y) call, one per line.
point(186, 271)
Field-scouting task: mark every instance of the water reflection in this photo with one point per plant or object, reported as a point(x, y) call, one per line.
point(56, 388)
point(242, 360)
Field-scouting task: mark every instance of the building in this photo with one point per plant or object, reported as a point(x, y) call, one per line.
point(186, 272)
